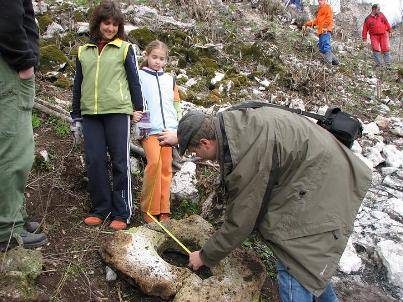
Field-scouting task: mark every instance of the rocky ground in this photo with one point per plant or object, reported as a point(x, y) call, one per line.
point(222, 52)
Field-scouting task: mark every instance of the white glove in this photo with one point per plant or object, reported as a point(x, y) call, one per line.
point(76, 128)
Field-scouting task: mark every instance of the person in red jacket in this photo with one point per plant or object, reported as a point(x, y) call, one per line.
point(379, 30)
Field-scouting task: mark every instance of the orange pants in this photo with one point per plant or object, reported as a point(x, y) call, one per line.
point(157, 175)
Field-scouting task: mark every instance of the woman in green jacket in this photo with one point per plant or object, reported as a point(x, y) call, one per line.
point(106, 94)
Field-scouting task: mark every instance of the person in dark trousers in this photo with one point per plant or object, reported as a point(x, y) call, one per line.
point(19, 53)
point(288, 178)
point(106, 94)
point(379, 30)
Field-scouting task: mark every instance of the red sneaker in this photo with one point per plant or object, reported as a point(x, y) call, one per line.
point(147, 218)
point(118, 225)
point(165, 217)
point(92, 220)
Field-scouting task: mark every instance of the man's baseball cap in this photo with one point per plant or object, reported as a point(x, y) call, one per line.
point(188, 126)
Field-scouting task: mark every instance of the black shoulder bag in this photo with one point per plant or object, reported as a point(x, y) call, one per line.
point(345, 127)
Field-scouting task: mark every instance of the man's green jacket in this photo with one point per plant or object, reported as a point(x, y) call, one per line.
point(293, 181)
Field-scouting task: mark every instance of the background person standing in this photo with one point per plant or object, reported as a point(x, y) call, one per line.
point(325, 25)
point(379, 30)
point(19, 53)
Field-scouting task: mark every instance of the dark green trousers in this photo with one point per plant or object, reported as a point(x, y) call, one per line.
point(16, 147)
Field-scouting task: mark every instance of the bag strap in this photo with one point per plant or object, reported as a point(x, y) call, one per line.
point(257, 104)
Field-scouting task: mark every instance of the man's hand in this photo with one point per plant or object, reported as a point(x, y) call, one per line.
point(77, 131)
point(26, 73)
point(168, 138)
point(195, 261)
point(137, 116)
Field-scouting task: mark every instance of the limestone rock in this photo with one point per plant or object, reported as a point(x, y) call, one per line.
point(350, 262)
point(393, 156)
point(53, 29)
point(391, 254)
point(17, 279)
point(370, 129)
point(184, 182)
point(135, 253)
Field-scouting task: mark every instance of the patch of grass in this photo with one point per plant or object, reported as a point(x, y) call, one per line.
point(257, 243)
point(62, 128)
point(36, 120)
point(186, 208)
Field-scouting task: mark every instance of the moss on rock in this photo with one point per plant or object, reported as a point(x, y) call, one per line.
point(44, 21)
point(204, 67)
point(51, 57)
point(63, 82)
point(142, 36)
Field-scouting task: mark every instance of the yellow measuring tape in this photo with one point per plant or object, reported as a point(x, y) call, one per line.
point(153, 217)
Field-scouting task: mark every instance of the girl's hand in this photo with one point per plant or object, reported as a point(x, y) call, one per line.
point(137, 116)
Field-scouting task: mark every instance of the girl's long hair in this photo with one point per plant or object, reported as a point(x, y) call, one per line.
point(156, 44)
point(107, 9)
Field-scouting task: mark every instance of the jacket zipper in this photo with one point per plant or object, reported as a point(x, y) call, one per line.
point(96, 80)
point(162, 110)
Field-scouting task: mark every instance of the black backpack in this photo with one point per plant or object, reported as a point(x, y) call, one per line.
point(345, 127)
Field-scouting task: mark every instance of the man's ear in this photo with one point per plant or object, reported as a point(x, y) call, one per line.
point(204, 142)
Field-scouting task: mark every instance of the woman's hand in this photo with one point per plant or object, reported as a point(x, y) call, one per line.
point(137, 116)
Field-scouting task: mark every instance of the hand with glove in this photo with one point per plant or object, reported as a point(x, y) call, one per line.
point(76, 128)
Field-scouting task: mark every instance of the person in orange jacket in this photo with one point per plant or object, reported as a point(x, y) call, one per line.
point(324, 24)
point(379, 30)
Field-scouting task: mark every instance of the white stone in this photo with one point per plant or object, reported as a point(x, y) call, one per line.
point(374, 155)
point(45, 155)
point(82, 27)
point(53, 29)
point(397, 129)
point(217, 78)
point(384, 108)
point(393, 182)
point(110, 274)
point(371, 129)
point(349, 261)
point(393, 157)
point(382, 121)
point(184, 182)
point(356, 147)
point(134, 166)
point(129, 28)
point(265, 83)
point(39, 8)
point(391, 254)
point(190, 82)
point(394, 206)
point(182, 76)
point(388, 170)
point(365, 160)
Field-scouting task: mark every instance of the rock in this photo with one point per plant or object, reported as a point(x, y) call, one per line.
point(134, 166)
point(82, 27)
point(393, 182)
point(397, 127)
point(393, 157)
point(388, 170)
point(39, 7)
point(110, 274)
point(135, 253)
point(350, 262)
point(21, 267)
point(190, 82)
point(382, 122)
point(365, 160)
point(217, 78)
point(394, 207)
point(129, 28)
point(53, 29)
point(370, 129)
point(374, 155)
point(354, 290)
point(391, 254)
point(184, 183)
point(356, 147)
point(45, 156)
